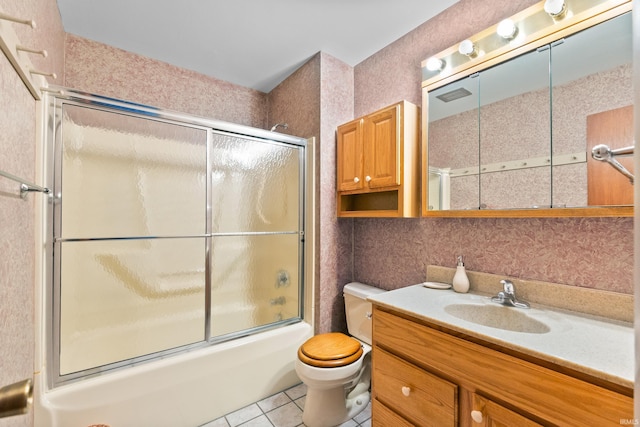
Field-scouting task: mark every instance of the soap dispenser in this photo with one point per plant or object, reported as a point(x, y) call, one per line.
point(460, 279)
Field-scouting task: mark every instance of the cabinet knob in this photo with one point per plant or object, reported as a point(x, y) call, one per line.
point(367, 178)
point(356, 179)
point(406, 391)
point(476, 416)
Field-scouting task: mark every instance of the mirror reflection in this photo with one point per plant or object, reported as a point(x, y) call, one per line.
point(519, 135)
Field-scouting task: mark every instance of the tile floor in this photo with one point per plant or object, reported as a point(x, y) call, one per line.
point(280, 410)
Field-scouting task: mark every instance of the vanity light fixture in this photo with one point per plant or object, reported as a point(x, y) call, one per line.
point(468, 48)
point(507, 29)
point(557, 9)
point(435, 64)
point(509, 36)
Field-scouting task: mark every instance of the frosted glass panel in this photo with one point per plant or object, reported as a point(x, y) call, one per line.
point(130, 176)
point(254, 281)
point(122, 299)
point(255, 185)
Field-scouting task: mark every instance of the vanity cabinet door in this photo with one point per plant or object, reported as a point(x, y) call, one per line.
point(367, 151)
point(487, 413)
point(349, 158)
point(381, 144)
point(422, 398)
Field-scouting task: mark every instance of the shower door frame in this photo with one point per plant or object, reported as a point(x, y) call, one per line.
point(52, 154)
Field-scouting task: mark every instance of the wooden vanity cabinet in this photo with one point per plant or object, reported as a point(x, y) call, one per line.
point(378, 163)
point(423, 376)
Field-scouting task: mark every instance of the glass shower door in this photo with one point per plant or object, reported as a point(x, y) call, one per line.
point(130, 234)
point(256, 218)
point(170, 233)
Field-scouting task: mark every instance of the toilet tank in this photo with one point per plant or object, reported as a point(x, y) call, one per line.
point(358, 309)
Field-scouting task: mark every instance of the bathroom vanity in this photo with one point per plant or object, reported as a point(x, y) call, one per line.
point(447, 359)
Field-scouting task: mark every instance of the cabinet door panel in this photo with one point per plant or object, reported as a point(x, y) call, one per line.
point(349, 159)
point(381, 146)
point(421, 397)
point(495, 415)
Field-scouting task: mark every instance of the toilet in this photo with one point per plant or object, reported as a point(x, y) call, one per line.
point(336, 367)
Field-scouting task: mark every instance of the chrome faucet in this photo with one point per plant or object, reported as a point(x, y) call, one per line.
point(508, 296)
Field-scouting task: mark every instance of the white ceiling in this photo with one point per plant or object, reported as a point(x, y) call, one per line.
point(252, 43)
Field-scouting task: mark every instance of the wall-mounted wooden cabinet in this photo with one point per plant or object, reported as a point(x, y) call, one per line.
point(378, 164)
point(426, 377)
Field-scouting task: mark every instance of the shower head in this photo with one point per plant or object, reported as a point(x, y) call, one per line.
point(277, 125)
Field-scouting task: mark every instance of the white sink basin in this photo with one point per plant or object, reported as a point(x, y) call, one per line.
point(498, 316)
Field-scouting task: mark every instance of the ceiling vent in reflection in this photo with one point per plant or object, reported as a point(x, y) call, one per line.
point(454, 94)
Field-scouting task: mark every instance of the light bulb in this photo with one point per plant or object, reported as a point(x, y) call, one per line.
point(555, 8)
point(467, 47)
point(435, 64)
point(507, 29)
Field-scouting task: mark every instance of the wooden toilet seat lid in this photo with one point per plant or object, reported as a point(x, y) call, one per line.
point(330, 350)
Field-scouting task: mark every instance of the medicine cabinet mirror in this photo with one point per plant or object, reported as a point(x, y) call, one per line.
point(510, 133)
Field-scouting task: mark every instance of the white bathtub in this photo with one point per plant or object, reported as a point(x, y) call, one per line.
point(187, 390)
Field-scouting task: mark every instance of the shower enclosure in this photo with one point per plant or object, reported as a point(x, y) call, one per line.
point(166, 233)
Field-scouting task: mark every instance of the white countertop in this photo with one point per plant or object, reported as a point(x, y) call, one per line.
point(595, 346)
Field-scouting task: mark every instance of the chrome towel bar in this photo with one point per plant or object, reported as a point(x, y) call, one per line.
point(25, 186)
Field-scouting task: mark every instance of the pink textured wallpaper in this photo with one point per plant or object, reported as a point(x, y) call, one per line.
point(17, 145)
point(593, 253)
point(336, 260)
point(391, 253)
point(17, 120)
point(314, 101)
point(105, 70)
point(296, 101)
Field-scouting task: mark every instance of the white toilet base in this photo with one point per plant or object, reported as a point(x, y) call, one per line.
point(329, 408)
